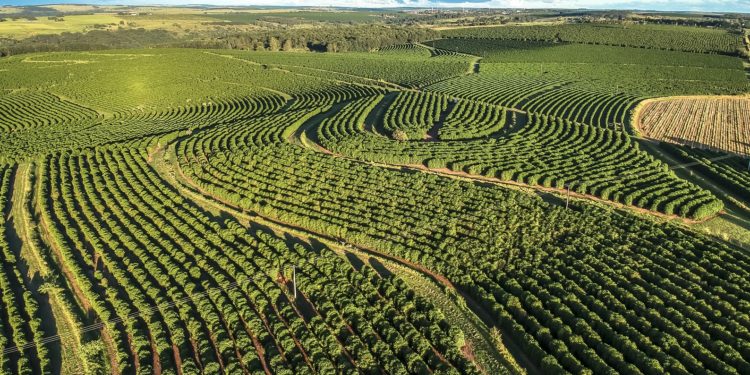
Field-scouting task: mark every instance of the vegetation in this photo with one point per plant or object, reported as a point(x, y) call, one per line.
point(676, 38)
point(30, 109)
point(496, 51)
point(414, 113)
point(197, 210)
point(407, 47)
point(471, 119)
point(539, 311)
point(547, 152)
point(595, 85)
point(89, 41)
point(319, 38)
point(732, 172)
point(292, 17)
point(408, 69)
point(234, 311)
point(20, 324)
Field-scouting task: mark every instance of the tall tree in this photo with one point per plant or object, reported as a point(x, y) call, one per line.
point(287, 46)
point(273, 44)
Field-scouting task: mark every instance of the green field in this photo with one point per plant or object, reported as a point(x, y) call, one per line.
point(296, 17)
point(43, 25)
point(665, 37)
point(18, 24)
point(473, 205)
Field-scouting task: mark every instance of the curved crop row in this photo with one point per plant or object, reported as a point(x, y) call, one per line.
point(264, 130)
point(405, 69)
point(331, 95)
point(20, 317)
point(586, 106)
point(348, 120)
point(131, 125)
point(578, 292)
point(218, 298)
point(170, 288)
point(408, 48)
point(502, 91)
point(472, 119)
point(31, 109)
point(678, 38)
point(559, 99)
point(549, 152)
point(732, 172)
point(414, 113)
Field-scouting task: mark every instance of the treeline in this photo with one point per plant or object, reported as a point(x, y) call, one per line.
point(341, 38)
point(90, 41)
point(723, 23)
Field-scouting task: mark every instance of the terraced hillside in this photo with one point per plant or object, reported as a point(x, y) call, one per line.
point(190, 211)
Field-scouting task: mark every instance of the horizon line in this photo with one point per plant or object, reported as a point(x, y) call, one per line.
point(467, 5)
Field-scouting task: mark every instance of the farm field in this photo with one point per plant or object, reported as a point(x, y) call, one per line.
point(13, 28)
point(665, 37)
point(701, 122)
point(56, 19)
point(479, 204)
point(592, 84)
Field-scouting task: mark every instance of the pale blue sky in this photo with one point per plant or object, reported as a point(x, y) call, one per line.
point(676, 5)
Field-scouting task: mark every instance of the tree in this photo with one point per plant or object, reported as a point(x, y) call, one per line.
point(273, 44)
point(551, 366)
point(91, 355)
point(400, 135)
point(287, 46)
point(459, 339)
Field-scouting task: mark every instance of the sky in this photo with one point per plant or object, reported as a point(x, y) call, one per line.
point(742, 6)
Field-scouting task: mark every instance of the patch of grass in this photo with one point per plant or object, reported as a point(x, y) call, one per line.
point(732, 226)
point(21, 28)
point(284, 17)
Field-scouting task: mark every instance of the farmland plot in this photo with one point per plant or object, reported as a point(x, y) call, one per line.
point(200, 208)
point(721, 123)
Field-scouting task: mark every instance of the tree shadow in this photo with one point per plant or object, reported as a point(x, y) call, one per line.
point(354, 260)
point(379, 267)
point(693, 144)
